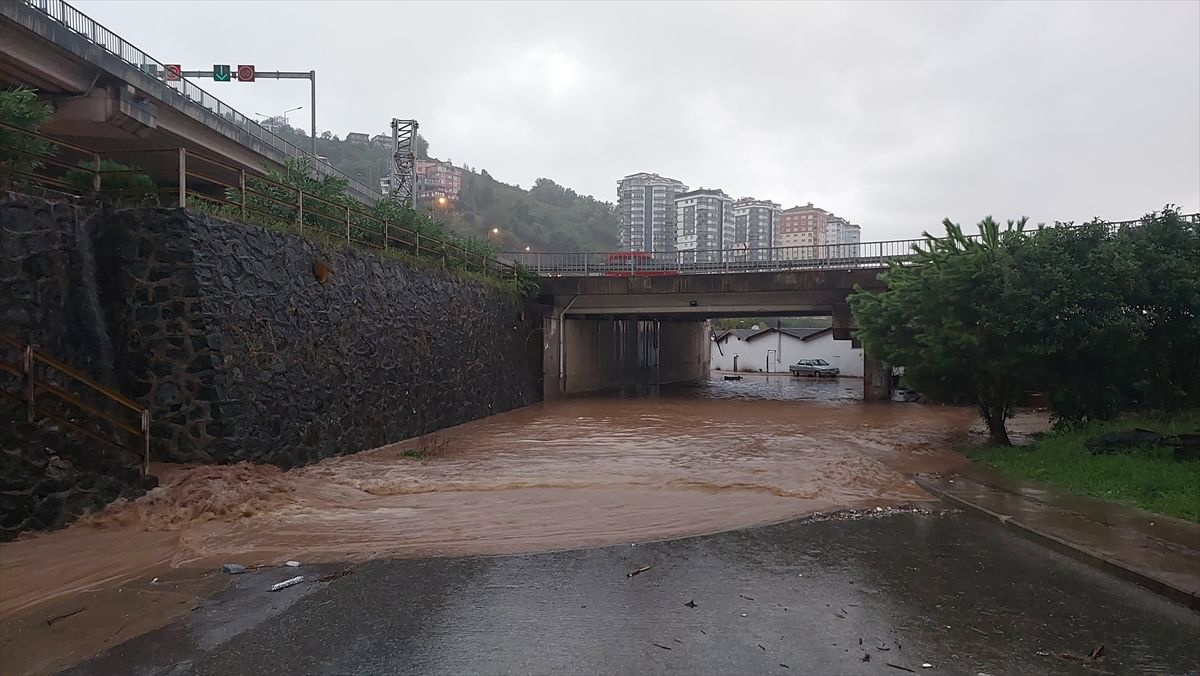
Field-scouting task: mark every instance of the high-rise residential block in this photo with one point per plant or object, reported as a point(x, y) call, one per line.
point(805, 226)
point(646, 206)
point(705, 226)
point(756, 227)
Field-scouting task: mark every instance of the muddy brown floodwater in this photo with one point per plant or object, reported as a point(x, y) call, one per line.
point(581, 472)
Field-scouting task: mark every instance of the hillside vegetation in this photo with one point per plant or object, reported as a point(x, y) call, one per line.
point(546, 217)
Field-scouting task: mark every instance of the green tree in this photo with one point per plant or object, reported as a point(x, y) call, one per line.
point(947, 318)
point(1115, 312)
point(21, 152)
point(1101, 318)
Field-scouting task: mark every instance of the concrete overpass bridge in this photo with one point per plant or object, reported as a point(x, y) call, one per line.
point(619, 320)
point(631, 318)
point(111, 97)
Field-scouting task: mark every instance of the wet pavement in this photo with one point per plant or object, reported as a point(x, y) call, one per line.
point(1156, 551)
point(890, 592)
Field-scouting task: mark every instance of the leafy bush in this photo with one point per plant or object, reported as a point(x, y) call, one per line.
point(21, 152)
point(118, 182)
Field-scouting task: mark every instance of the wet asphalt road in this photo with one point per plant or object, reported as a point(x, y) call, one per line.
point(832, 596)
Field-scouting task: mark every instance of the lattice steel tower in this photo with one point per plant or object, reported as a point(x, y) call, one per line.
point(403, 185)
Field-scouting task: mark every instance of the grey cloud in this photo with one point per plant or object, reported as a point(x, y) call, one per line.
point(894, 115)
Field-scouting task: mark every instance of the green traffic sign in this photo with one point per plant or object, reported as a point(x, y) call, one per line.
point(221, 72)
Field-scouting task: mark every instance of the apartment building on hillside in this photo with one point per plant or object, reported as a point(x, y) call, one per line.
point(704, 225)
point(808, 229)
point(646, 207)
point(756, 227)
point(437, 179)
point(802, 227)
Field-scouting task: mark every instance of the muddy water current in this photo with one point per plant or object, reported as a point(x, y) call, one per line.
point(580, 472)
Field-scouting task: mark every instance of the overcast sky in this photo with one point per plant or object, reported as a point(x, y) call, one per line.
point(892, 115)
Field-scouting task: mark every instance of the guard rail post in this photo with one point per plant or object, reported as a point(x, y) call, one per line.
point(145, 441)
point(27, 374)
point(182, 178)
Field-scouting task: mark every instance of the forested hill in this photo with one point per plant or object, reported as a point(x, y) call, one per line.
point(546, 217)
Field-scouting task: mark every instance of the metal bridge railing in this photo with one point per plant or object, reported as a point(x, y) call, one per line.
point(191, 180)
point(84, 26)
point(716, 261)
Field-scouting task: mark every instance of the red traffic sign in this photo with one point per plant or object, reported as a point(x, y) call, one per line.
point(173, 72)
point(245, 73)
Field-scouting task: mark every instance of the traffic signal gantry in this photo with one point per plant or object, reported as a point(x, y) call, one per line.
point(223, 72)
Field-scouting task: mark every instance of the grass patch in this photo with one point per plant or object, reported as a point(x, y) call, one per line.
point(1147, 478)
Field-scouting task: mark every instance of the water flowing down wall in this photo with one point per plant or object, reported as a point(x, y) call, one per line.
point(251, 344)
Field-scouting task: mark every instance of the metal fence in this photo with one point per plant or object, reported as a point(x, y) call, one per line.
point(717, 261)
point(52, 390)
point(84, 26)
point(187, 179)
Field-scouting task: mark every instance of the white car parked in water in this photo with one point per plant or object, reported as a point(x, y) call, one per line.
point(818, 368)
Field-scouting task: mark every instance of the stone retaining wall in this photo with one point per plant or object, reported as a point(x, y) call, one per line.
point(251, 344)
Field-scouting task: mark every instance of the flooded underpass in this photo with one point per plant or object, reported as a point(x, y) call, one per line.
point(580, 472)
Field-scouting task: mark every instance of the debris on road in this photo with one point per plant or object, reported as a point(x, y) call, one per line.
point(292, 564)
point(691, 604)
point(287, 583)
point(637, 571)
point(661, 646)
point(1097, 652)
point(901, 668)
point(866, 657)
point(926, 665)
point(784, 665)
point(334, 576)
point(761, 646)
point(745, 597)
point(57, 618)
point(233, 568)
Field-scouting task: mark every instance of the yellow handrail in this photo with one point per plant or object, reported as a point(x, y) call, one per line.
point(32, 386)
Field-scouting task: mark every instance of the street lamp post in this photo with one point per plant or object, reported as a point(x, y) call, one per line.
point(283, 115)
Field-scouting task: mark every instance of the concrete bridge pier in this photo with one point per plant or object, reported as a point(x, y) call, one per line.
point(877, 376)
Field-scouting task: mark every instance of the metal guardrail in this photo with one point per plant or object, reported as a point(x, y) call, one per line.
point(718, 261)
point(32, 385)
point(196, 180)
point(89, 29)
